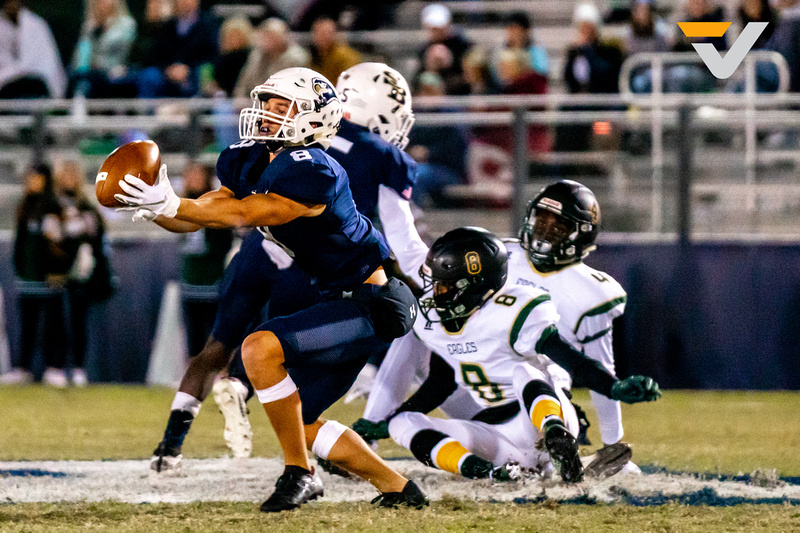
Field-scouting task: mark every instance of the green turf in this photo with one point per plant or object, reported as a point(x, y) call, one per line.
point(726, 432)
point(450, 515)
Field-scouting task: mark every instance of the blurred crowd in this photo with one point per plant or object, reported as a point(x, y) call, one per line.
point(180, 49)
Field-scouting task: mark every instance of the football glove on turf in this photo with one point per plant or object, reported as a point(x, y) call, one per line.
point(635, 389)
point(370, 431)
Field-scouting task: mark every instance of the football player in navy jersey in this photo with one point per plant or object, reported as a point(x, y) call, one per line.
point(377, 117)
point(281, 180)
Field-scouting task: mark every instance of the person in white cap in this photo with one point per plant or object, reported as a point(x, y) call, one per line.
point(592, 66)
point(437, 20)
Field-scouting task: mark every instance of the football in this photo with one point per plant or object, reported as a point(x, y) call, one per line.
point(139, 158)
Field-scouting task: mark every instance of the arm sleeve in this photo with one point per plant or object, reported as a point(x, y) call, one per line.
point(585, 372)
point(401, 234)
point(439, 385)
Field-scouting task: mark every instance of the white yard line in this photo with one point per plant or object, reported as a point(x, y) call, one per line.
point(252, 480)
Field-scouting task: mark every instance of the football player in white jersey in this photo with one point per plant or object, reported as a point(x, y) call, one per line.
point(559, 230)
point(498, 340)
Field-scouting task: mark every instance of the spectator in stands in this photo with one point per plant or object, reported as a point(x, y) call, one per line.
point(273, 50)
point(592, 65)
point(438, 60)
point(518, 37)
point(89, 277)
point(41, 265)
point(758, 11)
point(203, 256)
point(646, 33)
point(329, 56)
point(436, 19)
point(700, 11)
point(30, 65)
point(516, 76)
point(478, 72)
point(156, 15)
point(234, 48)
point(101, 56)
point(786, 41)
point(440, 151)
point(186, 42)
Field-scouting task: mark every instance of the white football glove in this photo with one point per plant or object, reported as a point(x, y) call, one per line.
point(139, 213)
point(158, 198)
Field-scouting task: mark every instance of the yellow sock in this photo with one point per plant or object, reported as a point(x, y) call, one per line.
point(545, 408)
point(448, 455)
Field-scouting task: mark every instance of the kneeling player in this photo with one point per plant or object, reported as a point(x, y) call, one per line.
point(498, 340)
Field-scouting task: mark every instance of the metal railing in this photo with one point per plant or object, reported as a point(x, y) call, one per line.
point(657, 63)
point(655, 113)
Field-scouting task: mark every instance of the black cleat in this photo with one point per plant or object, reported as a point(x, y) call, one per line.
point(563, 450)
point(292, 490)
point(609, 460)
point(411, 496)
point(166, 460)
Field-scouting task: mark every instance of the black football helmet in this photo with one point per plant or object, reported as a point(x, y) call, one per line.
point(463, 269)
point(568, 234)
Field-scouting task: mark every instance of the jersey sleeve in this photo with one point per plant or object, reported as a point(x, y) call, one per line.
point(402, 175)
point(533, 323)
point(401, 233)
point(226, 169)
point(595, 323)
point(308, 182)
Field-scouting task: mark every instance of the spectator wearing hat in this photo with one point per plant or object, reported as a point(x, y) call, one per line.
point(592, 66)
point(518, 37)
point(437, 20)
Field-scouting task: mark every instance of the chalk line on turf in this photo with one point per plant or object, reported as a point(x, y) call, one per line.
point(252, 479)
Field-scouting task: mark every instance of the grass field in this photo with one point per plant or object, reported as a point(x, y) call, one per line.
point(725, 433)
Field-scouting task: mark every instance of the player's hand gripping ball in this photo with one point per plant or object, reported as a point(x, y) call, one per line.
point(141, 159)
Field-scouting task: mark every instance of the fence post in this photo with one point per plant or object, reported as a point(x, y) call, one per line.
point(685, 166)
point(38, 143)
point(518, 200)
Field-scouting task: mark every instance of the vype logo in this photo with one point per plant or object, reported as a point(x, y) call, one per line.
point(722, 67)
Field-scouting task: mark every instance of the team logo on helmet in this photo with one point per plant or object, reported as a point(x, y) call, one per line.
point(398, 93)
point(324, 90)
point(473, 262)
point(595, 213)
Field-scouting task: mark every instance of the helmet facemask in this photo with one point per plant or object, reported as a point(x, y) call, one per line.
point(454, 301)
point(553, 241)
point(313, 100)
point(252, 121)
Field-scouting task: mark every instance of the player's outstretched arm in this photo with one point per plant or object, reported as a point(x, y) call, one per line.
point(211, 211)
point(589, 373)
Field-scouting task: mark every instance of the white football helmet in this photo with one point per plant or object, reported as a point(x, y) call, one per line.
point(376, 96)
point(319, 109)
